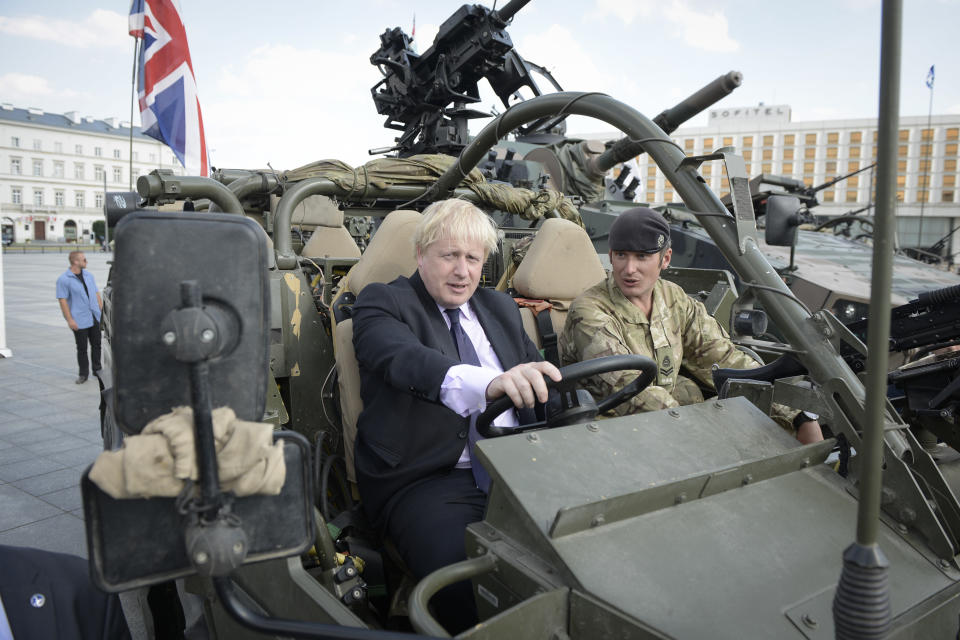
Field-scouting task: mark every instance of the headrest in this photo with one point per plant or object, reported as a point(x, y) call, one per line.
point(390, 253)
point(314, 210)
point(560, 264)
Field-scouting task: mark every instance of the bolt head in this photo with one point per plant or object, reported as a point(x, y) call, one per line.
point(237, 548)
point(532, 437)
point(593, 426)
point(169, 337)
point(673, 413)
point(201, 557)
point(207, 335)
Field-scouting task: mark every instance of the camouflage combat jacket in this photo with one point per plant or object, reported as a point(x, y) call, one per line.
point(680, 332)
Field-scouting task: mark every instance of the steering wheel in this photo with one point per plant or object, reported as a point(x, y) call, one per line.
point(575, 405)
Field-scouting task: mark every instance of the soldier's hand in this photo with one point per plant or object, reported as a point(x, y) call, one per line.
point(73, 325)
point(524, 383)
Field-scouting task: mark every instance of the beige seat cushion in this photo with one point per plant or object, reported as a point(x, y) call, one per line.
point(389, 255)
point(331, 242)
point(560, 264)
point(349, 381)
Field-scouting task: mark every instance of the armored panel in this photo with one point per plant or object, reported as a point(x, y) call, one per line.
point(227, 255)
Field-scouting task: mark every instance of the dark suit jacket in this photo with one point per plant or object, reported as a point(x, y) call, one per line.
point(404, 350)
point(72, 608)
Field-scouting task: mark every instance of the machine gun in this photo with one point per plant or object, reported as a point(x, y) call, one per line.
point(930, 385)
point(417, 89)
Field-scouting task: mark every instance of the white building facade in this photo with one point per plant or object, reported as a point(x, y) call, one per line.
point(53, 168)
point(816, 152)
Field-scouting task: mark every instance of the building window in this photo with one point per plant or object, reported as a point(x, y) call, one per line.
point(904, 135)
point(652, 184)
point(748, 156)
point(16, 195)
point(117, 174)
point(37, 145)
point(810, 152)
point(688, 144)
point(854, 152)
point(788, 168)
point(727, 141)
point(852, 166)
point(98, 199)
point(856, 137)
point(925, 149)
point(38, 167)
point(946, 196)
point(57, 169)
point(708, 144)
point(15, 141)
point(901, 181)
point(926, 135)
point(15, 168)
point(833, 137)
point(58, 147)
point(853, 182)
point(950, 149)
point(902, 150)
point(767, 141)
point(768, 154)
point(851, 196)
point(747, 141)
point(831, 167)
point(116, 153)
point(136, 155)
point(924, 165)
point(78, 199)
point(953, 134)
point(58, 197)
point(831, 152)
point(808, 167)
point(788, 154)
point(950, 165)
point(828, 195)
point(78, 171)
point(98, 173)
point(98, 151)
point(766, 167)
point(788, 140)
point(810, 138)
point(38, 197)
point(78, 149)
point(652, 170)
point(706, 169)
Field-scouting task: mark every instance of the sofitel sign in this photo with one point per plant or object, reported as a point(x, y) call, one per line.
point(761, 112)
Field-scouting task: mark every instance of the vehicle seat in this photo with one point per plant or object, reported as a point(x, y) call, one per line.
point(560, 264)
point(330, 239)
point(389, 255)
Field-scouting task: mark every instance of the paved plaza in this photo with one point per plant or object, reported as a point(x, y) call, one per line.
point(49, 426)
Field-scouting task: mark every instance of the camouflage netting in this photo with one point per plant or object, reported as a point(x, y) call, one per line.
point(424, 170)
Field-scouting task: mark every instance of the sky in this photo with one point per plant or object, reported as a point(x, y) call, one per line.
point(286, 83)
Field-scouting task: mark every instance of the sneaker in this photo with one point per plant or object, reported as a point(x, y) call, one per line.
point(80, 380)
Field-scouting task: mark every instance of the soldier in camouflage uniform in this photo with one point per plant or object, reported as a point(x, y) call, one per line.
point(633, 311)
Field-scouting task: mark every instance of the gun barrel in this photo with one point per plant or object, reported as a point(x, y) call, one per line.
point(510, 9)
point(939, 296)
point(670, 119)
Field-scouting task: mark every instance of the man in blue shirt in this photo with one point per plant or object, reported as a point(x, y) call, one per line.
point(81, 305)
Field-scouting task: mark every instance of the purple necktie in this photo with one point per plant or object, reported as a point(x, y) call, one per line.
point(468, 355)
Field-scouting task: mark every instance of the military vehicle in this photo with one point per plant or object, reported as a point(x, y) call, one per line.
point(701, 520)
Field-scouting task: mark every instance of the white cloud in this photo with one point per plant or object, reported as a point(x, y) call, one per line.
point(101, 28)
point(24, 85)
point(707, 30)
point(625, 10)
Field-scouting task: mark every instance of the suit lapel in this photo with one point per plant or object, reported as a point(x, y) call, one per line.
point(437, 324)
point(20, 601)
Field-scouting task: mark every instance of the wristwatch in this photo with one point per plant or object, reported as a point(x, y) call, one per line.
point(804, 416)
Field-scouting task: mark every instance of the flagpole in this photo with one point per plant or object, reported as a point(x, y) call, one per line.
point(133, 94)
point(926, 158)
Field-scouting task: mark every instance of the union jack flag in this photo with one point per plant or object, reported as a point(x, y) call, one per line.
point(167, 90)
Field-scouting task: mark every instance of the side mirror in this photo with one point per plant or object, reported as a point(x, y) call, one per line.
point(782, 220)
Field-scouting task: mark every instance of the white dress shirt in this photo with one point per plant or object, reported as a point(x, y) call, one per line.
point(5, 632)
point(464, 388)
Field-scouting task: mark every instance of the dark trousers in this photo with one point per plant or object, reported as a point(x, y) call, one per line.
point(82, 336)
point(428, 527)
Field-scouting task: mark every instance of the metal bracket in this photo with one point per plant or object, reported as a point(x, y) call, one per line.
point(736, 170)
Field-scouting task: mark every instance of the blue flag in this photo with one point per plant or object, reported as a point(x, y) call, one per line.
point(930, 78)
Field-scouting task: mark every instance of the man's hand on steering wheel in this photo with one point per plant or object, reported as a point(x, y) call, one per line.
point(524, 384)
point(567, 385)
